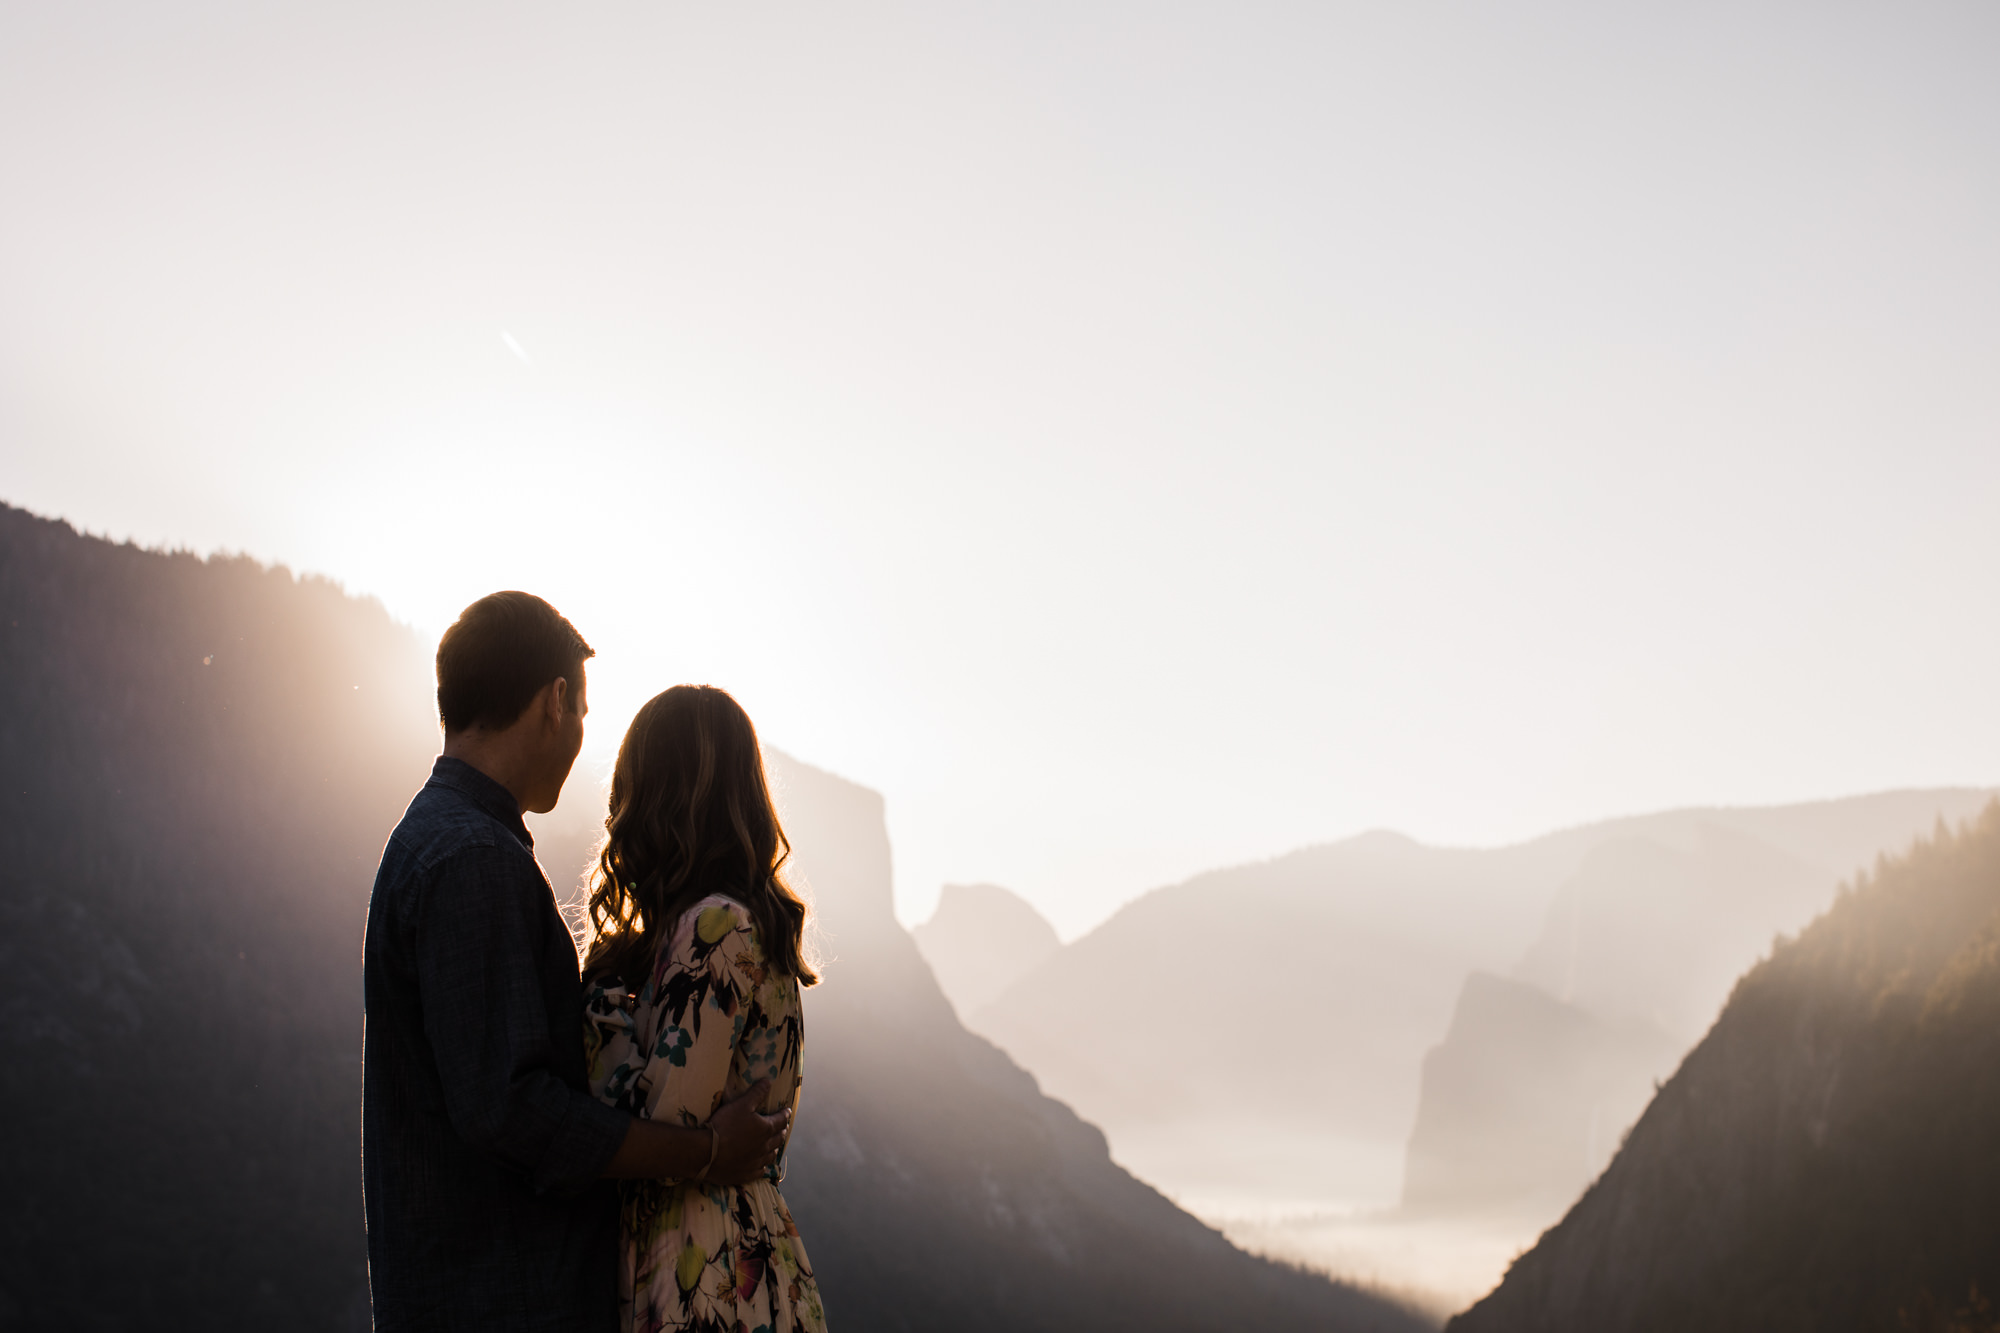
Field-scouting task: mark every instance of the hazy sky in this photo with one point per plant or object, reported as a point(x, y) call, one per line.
point(1133, 437)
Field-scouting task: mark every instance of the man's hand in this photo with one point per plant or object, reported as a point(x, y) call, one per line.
point(747, 1141)
point(744, 1142)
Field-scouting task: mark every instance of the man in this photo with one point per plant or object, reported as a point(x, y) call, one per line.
point(485, 1158)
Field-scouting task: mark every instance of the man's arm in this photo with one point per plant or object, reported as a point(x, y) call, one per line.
point(744, 1142)
point(489, 1027)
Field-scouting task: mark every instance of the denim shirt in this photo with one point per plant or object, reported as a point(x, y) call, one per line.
point(481, 1146)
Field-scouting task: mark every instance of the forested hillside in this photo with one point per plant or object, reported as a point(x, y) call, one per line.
point(202, 760)
point(1828, 1158)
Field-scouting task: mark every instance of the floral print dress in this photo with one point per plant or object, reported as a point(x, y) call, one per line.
point(712, 1019)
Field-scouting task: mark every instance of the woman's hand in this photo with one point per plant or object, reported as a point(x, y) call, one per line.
point(747, 1141)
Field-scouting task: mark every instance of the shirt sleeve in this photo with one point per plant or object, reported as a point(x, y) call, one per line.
point(486, 1015)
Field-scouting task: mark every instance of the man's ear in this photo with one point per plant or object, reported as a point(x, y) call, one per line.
point(558, 701)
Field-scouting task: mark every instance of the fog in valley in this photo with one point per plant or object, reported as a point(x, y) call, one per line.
point(1370, 623)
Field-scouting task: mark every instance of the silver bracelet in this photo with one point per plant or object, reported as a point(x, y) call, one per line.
point(714, 1143)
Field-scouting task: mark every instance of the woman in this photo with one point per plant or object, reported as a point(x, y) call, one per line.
point(693, 997)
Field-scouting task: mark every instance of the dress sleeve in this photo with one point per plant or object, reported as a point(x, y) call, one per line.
point(701, 996)
point(611, 1042)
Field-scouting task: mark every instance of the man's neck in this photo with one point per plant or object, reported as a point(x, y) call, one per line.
point(491, 755)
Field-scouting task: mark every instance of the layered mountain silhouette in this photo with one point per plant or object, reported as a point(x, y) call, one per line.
point(1522, 1103)
point(937, 1186)
point(980, 940)
point(202, 760)
point(1276, 1018)
point(1656, 925)
point(1826, 1157)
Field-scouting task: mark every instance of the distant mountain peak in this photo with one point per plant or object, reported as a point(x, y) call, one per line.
point(988, 903)
point(980, 940)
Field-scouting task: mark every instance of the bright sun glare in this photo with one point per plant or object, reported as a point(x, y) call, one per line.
point(1131, 450)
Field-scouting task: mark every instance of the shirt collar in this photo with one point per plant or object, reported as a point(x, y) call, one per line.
point(461, 777)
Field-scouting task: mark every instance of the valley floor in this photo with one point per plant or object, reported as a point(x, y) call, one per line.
point(1326, 1204)
point(1435, 1267)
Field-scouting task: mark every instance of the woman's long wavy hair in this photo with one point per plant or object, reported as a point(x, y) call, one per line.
point(691, 815)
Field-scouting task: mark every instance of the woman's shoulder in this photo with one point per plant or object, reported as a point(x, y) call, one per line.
point(707, 923)
point(716, 936)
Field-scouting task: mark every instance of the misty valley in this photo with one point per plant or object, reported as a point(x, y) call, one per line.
point(1730, 1068)
point(1396, 1061)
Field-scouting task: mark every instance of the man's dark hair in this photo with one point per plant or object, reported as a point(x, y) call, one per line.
point(497, 656)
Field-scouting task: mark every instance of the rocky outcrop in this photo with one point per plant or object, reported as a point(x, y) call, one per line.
point(1523, 1103)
